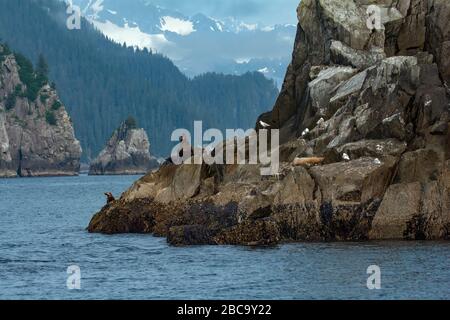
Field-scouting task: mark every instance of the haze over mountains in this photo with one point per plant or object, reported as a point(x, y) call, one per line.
point(102, 82)
point(196, 43)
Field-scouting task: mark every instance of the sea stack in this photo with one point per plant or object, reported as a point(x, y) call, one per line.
point(126, 153)
point(378, 95)
point(36, 133)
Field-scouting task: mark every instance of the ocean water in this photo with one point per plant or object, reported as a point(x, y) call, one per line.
point(42, 233)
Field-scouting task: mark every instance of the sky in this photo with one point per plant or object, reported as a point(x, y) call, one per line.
point(266, 12)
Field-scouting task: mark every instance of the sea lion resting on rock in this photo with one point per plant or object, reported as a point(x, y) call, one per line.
point(311, 161)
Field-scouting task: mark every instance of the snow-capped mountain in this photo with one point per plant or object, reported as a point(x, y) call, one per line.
point(197, 43)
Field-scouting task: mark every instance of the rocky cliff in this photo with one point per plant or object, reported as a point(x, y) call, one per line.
point(364, 125)
point(127, 152)
point(36, 133)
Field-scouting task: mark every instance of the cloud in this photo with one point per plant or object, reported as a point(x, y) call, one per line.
point(132, 36)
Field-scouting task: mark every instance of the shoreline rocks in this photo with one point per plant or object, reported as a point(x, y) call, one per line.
point(372, 105)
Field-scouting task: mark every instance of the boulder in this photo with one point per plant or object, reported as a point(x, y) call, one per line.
point(342, 54)
point(400, 205)
point(422, 165)
point(321, 88)
point(349, 87)
point(415, 211)
point(184, 185)
point(298, 187)
point(357, 181)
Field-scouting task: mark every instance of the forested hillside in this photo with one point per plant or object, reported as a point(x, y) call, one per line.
point(102, 83)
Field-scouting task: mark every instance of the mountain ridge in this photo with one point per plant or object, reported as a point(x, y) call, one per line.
point(185, 38)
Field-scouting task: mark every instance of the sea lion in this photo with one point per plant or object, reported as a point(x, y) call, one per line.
point(311, 161)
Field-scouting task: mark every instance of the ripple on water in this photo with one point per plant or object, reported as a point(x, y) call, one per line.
point(42, 236)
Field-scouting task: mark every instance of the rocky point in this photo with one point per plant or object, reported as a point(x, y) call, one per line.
point(127, 152)
point(36, 133)
point(369, 106)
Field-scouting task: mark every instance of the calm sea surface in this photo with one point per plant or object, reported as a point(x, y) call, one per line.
point(42, 233)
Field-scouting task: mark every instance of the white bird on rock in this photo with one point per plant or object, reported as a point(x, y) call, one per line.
point(377, 161)
point(305, 132)
point(345, 157)
point(379, 148)
point(264, 125)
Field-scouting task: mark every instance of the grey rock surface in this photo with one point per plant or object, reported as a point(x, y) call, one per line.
point(126, 153)
point(36, 137)
point(373, 104)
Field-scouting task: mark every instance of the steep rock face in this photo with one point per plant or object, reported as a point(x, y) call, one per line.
point(376, 106)
point(36, 136)
point(336, 32)
point(127, 152)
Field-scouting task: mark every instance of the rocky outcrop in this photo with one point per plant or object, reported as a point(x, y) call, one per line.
point(36, 133)
point(369, 106)
point(127, 152)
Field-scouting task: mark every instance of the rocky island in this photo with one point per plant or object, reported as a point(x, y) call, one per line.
point(371, 102)
point(36, 133)
point(126, 153)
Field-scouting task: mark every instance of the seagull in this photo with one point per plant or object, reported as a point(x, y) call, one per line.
point(321, 121)
point(428, 100)
point(377, 161)
point(345, 157)
point(264, 125)
point(305, 132)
